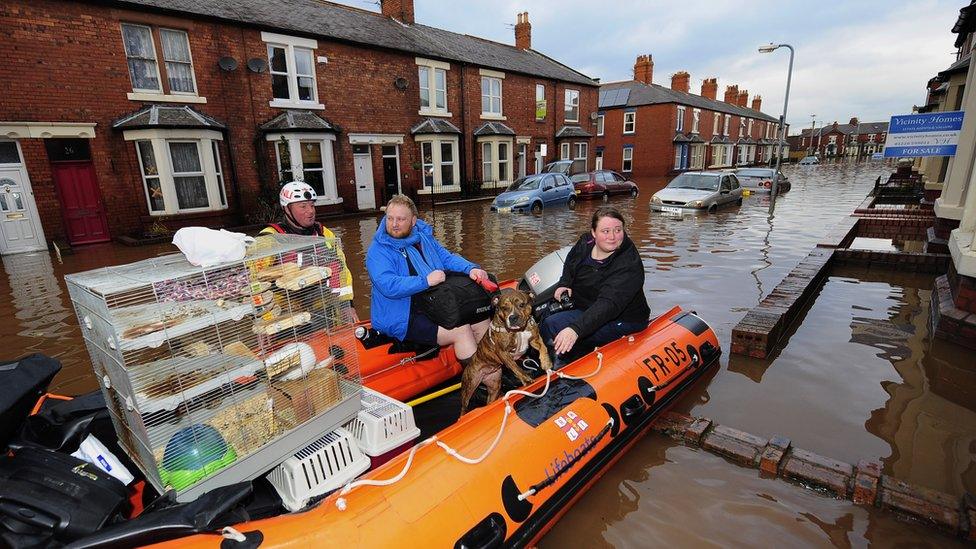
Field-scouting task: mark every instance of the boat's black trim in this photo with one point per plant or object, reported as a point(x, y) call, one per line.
point(548, 510)
point(488, 533)
point(691, 323)
point(518, 510)
point(562, 392)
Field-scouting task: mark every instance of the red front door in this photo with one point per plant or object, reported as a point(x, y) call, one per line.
point(81, 202)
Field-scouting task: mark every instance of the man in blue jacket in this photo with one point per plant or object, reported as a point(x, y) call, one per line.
point(405, 259)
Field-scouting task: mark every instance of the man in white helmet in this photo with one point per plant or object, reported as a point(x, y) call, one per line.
point(297, 200)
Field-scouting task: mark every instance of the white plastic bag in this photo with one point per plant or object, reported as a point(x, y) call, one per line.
point(205, 247)
point(93, 451)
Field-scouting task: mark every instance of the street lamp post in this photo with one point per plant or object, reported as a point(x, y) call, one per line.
point(813, 125)
point(782, 121)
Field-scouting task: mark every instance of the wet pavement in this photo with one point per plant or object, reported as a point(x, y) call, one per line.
point(858, 376)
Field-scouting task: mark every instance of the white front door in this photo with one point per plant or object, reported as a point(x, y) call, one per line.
point(599, 161)
point(20, 226)
point(365, 194)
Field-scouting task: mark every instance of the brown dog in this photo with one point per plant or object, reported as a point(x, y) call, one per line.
point(509, 336)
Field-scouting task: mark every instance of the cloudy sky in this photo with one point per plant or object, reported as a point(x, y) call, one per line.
point(869, 59)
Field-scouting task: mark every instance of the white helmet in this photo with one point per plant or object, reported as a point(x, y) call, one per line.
point(296, 191)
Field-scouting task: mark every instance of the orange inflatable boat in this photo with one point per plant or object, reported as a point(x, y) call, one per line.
point(503, 473)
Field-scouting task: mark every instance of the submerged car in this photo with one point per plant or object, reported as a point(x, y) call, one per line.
point(697, 191)
point(565, 167)
point(808, 160)
point(603, 183)
point(761, 180)
point(535, 192)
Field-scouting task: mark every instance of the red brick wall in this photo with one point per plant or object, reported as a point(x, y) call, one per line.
point(65, 62)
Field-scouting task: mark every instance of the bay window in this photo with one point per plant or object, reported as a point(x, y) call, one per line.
point(180, 170)
point(697, 154)
point(580, 158)
point(308, 157)
point(564, 151)
point(291, 63)
point(439, 164)
point(496, 160)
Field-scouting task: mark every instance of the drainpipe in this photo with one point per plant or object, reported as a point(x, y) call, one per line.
point(462, 149)
point(235, 185)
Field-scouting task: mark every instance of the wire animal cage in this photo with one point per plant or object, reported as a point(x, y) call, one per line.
point(215, 375)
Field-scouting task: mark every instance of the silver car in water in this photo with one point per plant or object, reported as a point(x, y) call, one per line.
point(697, 191)
point(760, 180)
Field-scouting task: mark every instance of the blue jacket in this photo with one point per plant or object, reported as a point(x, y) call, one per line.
point(386, 263)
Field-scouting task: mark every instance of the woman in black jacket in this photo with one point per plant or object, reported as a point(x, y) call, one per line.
point(604, 276)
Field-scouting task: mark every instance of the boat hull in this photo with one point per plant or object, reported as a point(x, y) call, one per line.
point(551, 450)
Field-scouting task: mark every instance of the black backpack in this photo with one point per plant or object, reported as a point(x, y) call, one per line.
point(455, 302)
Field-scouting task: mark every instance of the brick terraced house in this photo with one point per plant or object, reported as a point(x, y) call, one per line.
point(647, 130)
point(120, 115)
point(855, 139)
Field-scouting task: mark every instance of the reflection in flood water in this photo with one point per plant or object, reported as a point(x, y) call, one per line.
point(858, 378)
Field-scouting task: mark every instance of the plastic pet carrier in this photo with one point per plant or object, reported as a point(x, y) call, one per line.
point(319, 468)
point(215, 375)
point(383, 427)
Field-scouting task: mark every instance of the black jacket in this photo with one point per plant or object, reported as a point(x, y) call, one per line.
point(611, 292)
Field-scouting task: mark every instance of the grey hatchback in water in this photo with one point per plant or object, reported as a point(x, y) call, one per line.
point(760, 180)
point(697, 191)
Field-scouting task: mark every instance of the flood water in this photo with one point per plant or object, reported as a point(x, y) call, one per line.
point(858, 377)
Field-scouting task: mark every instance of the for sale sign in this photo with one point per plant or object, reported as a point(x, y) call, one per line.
point(929, 134)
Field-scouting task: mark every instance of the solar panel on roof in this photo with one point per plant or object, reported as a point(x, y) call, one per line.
point(614, 98)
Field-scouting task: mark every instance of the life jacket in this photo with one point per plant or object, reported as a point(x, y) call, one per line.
point(345, 278)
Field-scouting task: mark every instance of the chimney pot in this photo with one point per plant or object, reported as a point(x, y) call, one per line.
point(681, 81)
point(732, 94)
point(709, 88)
point(523, 31)
point(743, 98)
point(644, 69)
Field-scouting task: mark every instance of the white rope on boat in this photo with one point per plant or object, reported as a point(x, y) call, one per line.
point(341, 503)
point(228, 532)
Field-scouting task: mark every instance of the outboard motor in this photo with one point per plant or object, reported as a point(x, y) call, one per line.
point(541, 279)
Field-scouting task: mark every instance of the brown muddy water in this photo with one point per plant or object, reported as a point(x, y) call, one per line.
point(858, 376)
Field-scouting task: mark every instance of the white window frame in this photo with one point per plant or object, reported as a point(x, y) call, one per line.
point(538, 88)
point(290, 44)
point(572, 99)
point(432, 67)
point(599, 125)
point(628, 156)
point(680, 123)
point(493, 76)
point(696, 161)
point(749, 127)
point(142, 95)
point(326, 141)
point(632, 115)
point(715, 118)
point(695, 120)
point(193, 74)
point(436, 141)
point(155, 59)
point(582, 152)
point(725, 127)
point(565, 151)
point(492, 143)
point(742, 126)
point(211, 172)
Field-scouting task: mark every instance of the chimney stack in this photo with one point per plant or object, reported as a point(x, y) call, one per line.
point(743, 99)
point(644, 69)
point(401, 10)
point(681, 81)
point(523, 31)
point(709, 88)
point(853, 121)
point(731, 94)
point(757, 103)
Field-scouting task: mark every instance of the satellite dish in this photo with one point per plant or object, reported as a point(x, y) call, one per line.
point(256, 64)
point(593, 116)
point(227, 63)
point(400, 83)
